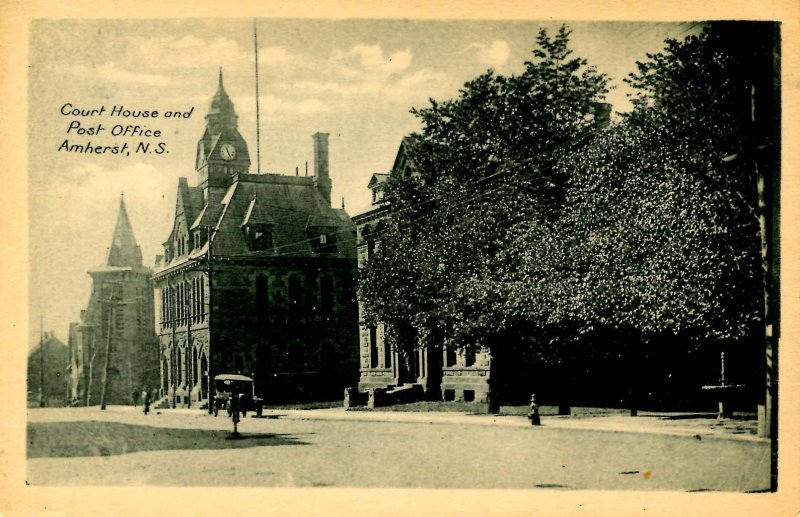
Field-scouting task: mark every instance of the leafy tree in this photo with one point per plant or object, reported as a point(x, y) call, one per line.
point(529, 232)
point(657, 244)
point(486, 161)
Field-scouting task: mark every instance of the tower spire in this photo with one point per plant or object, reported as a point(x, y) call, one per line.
point(123, 252)
point(220, 79)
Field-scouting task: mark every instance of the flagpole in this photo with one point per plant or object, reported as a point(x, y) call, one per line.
point(258, 119)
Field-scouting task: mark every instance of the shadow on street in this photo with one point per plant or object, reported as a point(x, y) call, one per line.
point(82, 439)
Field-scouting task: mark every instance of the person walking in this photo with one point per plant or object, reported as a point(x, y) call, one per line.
point(146, 400)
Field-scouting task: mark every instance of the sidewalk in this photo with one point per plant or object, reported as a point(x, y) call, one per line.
point(698, 425)
point(676, 424)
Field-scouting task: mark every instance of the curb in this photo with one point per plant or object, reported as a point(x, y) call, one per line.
point(561, 423)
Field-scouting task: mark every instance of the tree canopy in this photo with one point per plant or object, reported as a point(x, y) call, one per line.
point(531, 226)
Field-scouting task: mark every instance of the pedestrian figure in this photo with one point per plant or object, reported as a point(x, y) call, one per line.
point(146, 400)
point(135, 398)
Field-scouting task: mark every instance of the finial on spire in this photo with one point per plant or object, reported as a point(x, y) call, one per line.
point(220, 78)
point(342, 202)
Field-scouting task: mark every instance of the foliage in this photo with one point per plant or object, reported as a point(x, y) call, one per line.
point(658, 240)
point(486, 162)
point(529, 229)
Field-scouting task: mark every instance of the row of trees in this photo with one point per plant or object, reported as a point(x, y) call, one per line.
point(557, 243)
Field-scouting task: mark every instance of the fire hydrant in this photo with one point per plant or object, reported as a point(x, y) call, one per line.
point(533, 416)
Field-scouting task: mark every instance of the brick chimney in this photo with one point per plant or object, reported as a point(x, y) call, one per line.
point(602, 115)
point(322, 178)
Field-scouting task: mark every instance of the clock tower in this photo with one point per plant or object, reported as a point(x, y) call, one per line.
point(221, 151)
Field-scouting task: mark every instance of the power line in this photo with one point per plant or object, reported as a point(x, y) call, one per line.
point(502, 171)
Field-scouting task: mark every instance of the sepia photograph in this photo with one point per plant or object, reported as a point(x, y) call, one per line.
point(397, 253)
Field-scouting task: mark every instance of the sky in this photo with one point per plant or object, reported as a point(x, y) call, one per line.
point(354, 79)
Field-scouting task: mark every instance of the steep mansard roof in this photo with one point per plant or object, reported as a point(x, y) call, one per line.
point(291, 206)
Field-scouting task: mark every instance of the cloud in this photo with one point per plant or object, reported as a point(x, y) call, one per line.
point(495, 54)
point(368, 70)
point(110, 72)
point(362, 87)
point(305, 107)
point(370, 59)
point(188, 42)
point(420, 86)
point(189, 51)
point(273, 106)
point(275, 55)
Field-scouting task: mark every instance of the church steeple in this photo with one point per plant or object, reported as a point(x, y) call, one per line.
point(124, 252)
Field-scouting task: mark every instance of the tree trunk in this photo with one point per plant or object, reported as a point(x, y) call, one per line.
point(565, 397)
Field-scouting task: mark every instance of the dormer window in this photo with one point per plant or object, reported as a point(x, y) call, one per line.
point(258, 236)
point(324, 243)
point(376, 185)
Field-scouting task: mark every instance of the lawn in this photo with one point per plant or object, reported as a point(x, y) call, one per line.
point(92, 438)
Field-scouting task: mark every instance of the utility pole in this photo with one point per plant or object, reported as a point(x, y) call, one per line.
point(173, 349)
point(189, 363)
point(41, 362)
point(210, 233)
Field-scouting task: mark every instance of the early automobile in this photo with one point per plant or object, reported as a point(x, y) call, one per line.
point(236, 393)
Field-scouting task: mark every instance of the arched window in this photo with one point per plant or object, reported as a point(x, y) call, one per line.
point(262, 298)
point(294, 296)
point(296, 356)
point(202, 299)
point(326, 295)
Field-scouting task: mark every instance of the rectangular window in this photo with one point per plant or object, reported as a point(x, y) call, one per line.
point(469, 358)
point(373, 347)
point(450, 357)
point(387, 355)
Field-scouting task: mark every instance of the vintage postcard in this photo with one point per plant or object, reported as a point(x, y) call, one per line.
point(302, 262)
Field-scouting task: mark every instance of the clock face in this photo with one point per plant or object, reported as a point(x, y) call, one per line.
point(227, 151)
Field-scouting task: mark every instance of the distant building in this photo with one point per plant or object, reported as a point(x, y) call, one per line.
point(117, 318)
point(50, 374)
point(257, 276)
point(442, 373)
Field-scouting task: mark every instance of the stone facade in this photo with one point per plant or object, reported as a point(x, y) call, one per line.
point(118, 319)
point(257, 277)
point(441, 374)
